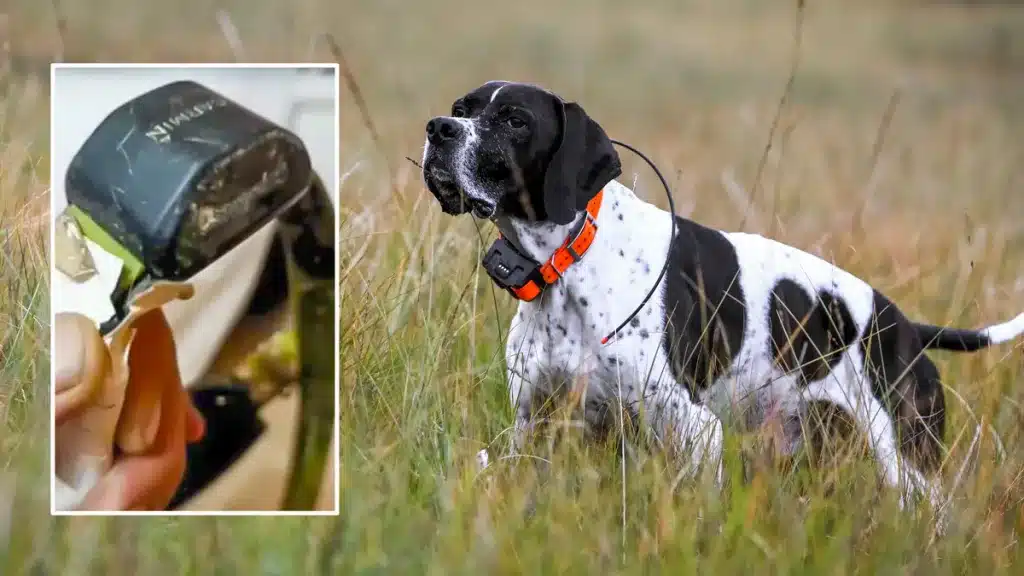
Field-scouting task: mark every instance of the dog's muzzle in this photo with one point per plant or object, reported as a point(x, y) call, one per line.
point(443, 134)
point(453, 199)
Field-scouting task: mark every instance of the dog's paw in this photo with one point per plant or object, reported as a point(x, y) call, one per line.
point(483, 460)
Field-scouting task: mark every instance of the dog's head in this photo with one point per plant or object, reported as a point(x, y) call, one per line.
point(517, 150)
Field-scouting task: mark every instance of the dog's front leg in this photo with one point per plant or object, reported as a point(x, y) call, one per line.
point(692, 431)
point(703, 439)
point(519, 392)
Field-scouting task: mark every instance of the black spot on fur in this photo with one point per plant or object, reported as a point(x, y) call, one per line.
point(622, 254)
point(634, 322)
point(584, 302)
point(906, 382)
point(620, 216)
point(705, 317)
point(563, 330)
point(644, 334)
point(808, 336)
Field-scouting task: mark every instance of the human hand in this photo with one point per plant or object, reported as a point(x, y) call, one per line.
point(156, 422)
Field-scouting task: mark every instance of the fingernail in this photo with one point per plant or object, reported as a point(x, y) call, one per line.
point(196, 424)
point(70, 357)
point(152, 425)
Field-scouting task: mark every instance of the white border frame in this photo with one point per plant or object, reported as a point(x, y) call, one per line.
point(336, 443)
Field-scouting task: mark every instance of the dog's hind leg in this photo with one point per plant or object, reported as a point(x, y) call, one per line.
point(873, 420)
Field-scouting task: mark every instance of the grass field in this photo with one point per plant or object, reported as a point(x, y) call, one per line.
point(895, 152)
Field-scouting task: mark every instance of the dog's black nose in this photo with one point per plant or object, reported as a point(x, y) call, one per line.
point(442, 129)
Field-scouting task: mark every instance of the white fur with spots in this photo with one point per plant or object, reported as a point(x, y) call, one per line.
point(562, 330)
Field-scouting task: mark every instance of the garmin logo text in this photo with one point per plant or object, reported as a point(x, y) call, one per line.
point(161, 132)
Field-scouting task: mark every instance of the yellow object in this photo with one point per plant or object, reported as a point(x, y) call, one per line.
point(133, 267)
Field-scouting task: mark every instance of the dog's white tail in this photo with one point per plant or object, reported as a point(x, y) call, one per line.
point(1006, 331)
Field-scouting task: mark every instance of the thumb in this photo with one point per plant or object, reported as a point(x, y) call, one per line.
point(81, 363)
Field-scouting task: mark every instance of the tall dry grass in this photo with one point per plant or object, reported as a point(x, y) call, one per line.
point(895, 153)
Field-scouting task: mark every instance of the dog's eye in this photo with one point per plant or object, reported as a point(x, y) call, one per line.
point(515, 122)
point(458, 111)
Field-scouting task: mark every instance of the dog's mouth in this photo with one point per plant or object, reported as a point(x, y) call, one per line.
point(441, 176)
point(442, 182)
point(482, 210)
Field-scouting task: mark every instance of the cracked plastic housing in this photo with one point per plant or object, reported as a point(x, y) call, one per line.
point(180, 175)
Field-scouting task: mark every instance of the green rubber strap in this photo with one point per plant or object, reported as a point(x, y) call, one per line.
point(133, 267)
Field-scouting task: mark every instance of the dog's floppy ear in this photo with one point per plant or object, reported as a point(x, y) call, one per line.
point(583, 163)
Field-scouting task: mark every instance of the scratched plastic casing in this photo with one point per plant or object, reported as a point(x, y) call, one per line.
point(180, 175)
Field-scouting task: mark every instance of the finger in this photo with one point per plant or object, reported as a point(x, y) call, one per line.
point(149, 480)
point(152, 369)
point(156, 491)
point(81, 364)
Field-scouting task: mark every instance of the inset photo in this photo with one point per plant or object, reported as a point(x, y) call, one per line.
point(194, 282)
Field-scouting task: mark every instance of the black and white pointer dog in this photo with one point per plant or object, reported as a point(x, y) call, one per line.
point(738, 321)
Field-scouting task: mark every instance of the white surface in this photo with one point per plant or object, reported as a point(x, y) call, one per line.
point(92, 297)
point(301, 100)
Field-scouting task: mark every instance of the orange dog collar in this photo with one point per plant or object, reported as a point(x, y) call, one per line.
point(522, 276)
